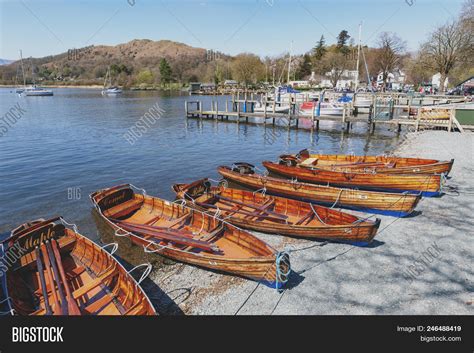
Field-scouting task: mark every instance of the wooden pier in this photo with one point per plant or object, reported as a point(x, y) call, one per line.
point(241, 111)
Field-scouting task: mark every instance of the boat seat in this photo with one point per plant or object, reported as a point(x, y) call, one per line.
point(207, 237)
point(75, 272)
point(98, 305)
point(309, 161)
point(179, 220)
point(123, 209)
point(262, 209)
point(212, 234)
point(93, 284)
point(135, 309)
point(306, 218)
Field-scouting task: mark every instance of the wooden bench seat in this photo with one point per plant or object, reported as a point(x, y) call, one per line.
point(93, 284)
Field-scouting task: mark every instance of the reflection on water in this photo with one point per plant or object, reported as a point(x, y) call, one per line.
point(74, 141)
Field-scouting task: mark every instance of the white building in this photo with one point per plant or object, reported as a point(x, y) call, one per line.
point(347, 79)
point(395, 79)
point(436, 81)
point(300, 84)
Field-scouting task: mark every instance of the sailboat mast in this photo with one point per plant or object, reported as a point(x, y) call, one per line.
point(369, 84)
point(22, 69)
point(289, 64)
point(358, 57)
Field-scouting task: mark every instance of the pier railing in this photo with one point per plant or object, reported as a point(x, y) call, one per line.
point(384, 109)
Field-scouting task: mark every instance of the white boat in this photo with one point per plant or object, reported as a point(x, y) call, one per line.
point(108, 89)
point(362, 102)
point(31, 90)
point(111, 91)
point(260, 108)
point(36, 91)
point(325, 108)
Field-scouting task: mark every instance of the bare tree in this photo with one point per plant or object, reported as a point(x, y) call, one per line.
point(248, 68)
point(447, 46)
point(390, 50)
point(334, 64)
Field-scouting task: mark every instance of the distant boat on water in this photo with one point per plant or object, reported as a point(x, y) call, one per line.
point(323, 108)
point(32, 90)
point(111, 91)
point(36, 91)
point(108, 89)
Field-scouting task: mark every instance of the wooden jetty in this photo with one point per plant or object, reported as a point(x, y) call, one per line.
point(419, 117)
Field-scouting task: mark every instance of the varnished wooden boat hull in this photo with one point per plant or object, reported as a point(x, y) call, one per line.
point(392, 204)
point(428, 185)
point(240, 253)
point(98, 283)
point(379, 164)
point(328, 224)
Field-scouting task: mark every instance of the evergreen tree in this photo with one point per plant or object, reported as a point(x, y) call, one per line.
point(320, 49)
point(342, 39)
point(165, 71)
point(304, 68)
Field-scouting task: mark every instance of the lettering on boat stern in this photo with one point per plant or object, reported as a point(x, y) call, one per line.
point(423, 262)
point(30, 241)
point(115, 199)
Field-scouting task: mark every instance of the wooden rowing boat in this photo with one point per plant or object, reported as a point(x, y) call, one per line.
point(427, 184)
point(60, 272)
point(279, 215)
point(378, 164)
point(393, 204)
point(187, 235)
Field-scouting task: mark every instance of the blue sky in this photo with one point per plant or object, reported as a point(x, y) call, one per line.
point(264, 27)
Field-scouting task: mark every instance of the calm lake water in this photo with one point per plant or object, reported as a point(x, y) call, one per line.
point(66, 146)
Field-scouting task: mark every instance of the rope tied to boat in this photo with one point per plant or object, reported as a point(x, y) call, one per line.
point(216, 214)
point(189, 197)
point(114, 247)
point(282, 258)
point(145, 273)
point(262, 190)
point(74, 227)
point(148, 251)
point(122, 235)
point(295, 184)
point(140, 189)
point(223, 182)
point(316, 214)
point(181, 202)
point(337, 200)
point(11, 311)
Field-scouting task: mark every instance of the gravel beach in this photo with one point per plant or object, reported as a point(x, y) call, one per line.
point(417, 265)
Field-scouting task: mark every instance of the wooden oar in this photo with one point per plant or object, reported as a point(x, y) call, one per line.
point(169, 235)
point(251, 206)
point(49, 259)
point(356, 165)
point(253, 214)
point(44, 289)
point(49, 275)
point(72, 306)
